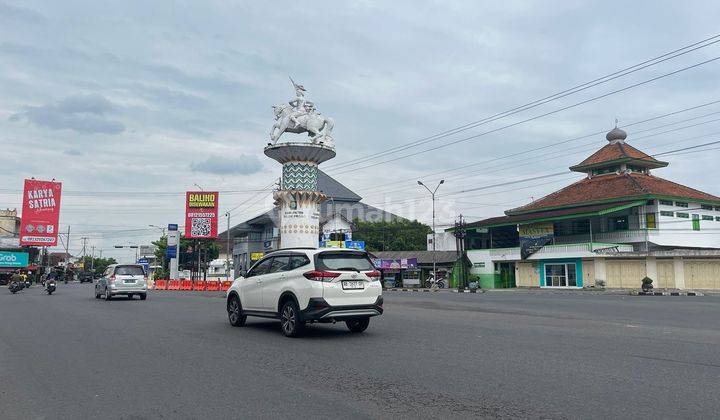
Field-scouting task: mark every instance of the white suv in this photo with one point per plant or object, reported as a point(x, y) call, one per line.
point(301, 285)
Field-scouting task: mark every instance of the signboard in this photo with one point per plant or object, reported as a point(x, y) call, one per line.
point(172, 242)
point(534, 236)
point(395, 264)
point(41, 213)
point(14, 259)
point(201, 214)
point(254, 256)
point(355, 245)
point(172, 226)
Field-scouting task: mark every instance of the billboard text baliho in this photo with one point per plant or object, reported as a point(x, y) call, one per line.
point(201, 214)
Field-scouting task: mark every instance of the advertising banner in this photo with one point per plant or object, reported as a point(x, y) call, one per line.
point(395, 264)
point(201, 214)
point(13, 259)
point(41, 213)
point(534, 236)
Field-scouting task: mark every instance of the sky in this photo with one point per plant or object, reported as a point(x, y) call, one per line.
point(130, 104)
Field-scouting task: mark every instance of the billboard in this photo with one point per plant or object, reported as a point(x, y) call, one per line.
point(201, 214)
point(534, 236)
point(13, 259)
point(41, 213)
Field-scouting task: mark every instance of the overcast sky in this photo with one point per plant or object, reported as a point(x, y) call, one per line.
point(151, 98)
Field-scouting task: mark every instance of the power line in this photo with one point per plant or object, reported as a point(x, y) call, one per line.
point(564, 108)
point(538, 102)
point(522, 152)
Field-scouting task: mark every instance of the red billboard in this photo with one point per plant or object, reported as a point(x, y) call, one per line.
point(201, 214)
point(40, 213)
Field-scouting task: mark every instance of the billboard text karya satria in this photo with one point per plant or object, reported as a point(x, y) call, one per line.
point(41, 213)
point(201, 214)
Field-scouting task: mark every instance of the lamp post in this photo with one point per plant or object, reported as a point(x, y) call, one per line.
point(432, 194)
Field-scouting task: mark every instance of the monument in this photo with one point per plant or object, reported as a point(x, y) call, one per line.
point(298, 197)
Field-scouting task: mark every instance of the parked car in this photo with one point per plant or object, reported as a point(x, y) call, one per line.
point(302, 285)
point(122, 279)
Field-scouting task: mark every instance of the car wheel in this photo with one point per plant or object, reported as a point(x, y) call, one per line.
point(290, 321)
point(130, 296)
point(235, 315)
point(143, 296)
point(108, 296)
point(358, 325)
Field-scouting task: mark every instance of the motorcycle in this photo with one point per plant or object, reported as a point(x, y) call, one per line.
point(14, 287)
point(432, 283)
point(50, 287)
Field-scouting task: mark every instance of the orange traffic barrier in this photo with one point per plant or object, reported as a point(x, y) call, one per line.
point(212, 286)
point(160, 284)
point(173, 285)
point(225, 285)
point(199, 285)
point(186, 285)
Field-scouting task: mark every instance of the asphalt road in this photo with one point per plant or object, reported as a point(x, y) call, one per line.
point(432, 355)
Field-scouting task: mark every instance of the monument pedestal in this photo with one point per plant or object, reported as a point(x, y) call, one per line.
point(298, 197)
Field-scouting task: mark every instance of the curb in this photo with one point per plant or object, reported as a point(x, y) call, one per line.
point(666, 294)
point(399, 289)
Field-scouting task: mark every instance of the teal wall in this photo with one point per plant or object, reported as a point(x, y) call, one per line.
point(578, 269)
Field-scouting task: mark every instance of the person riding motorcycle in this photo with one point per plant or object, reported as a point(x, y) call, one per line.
point(16, 277)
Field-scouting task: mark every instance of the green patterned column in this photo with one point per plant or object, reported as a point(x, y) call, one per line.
point(299, 176)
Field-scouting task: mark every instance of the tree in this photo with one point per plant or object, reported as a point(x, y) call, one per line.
point(397, 235)
point(188, 252)
point(98, 264)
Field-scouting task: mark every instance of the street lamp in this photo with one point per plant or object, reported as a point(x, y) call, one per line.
point(432, 194)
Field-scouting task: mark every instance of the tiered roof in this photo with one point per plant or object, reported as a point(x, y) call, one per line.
point(600, 192)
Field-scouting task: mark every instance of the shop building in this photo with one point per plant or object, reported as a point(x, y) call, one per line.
point(617, 225)
point(413, 268)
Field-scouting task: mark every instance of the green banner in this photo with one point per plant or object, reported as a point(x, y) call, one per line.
point(13, 259)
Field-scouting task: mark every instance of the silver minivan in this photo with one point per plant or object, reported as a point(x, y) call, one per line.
point(122, 279)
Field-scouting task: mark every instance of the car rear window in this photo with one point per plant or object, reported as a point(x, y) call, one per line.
point(344, 261)
point(129, 270)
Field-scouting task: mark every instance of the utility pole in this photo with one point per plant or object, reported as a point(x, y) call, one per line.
point(84, 241)
point(92, 259)
point(432, 194)
point(227, 251)
point(67, 247)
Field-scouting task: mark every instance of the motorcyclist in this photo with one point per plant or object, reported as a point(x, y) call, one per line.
point(16, 277)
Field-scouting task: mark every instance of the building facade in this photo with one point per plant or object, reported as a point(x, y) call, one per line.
point(617, 225)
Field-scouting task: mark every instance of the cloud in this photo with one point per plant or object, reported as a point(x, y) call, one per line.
point(73, 152)
point(14, 13)
point(82, 113)
point(242, 165)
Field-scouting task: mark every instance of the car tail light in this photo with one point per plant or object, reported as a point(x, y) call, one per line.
point(373, 274)
point(145, 279)
point(112, 279)
point(320, 275)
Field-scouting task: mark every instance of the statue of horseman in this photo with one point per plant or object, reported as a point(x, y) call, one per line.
point(300, 116)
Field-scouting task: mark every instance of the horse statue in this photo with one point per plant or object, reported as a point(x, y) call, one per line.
point(290, 120)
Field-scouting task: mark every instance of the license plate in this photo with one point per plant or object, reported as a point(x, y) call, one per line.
point(129, 281)
point(353, 285)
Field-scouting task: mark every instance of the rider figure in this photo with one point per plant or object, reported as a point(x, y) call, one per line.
point(299, 104)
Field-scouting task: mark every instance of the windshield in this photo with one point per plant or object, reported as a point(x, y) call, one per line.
point(344, 261)
point(129, 270)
